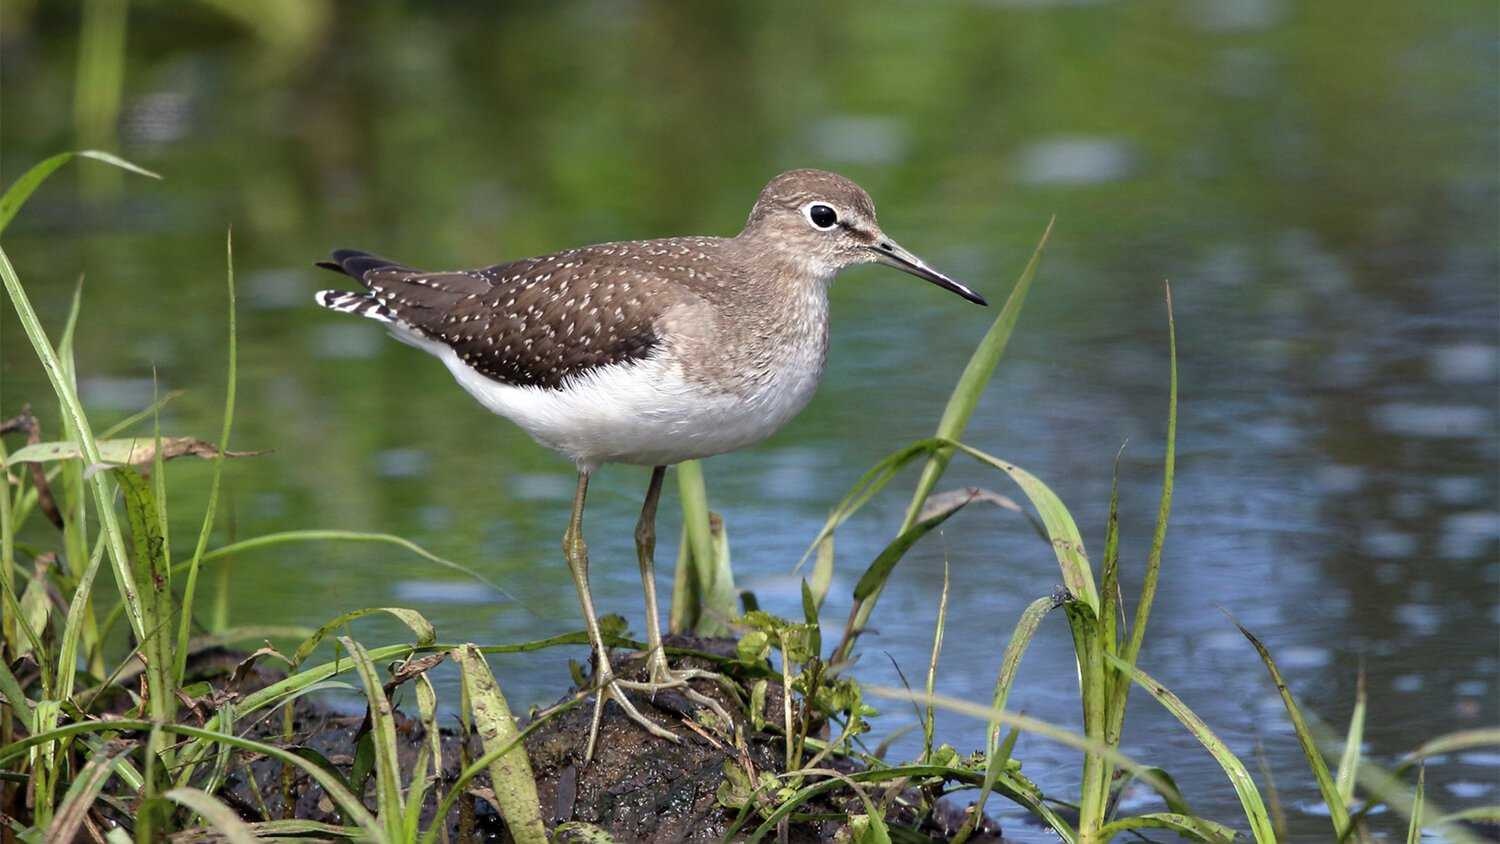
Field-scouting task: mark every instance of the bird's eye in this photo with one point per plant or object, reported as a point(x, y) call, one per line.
point(822, 216)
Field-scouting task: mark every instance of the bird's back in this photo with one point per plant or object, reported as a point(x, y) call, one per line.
point(539, 321)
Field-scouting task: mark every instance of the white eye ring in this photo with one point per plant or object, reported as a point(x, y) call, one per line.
point(820, 206)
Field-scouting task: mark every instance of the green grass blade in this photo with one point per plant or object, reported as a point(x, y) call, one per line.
point(1478, 814)
point(73, 410)
point(1025, 723)
point(1159, 532)
point(271, 540)
point(510, 774)
point(185, 627)
point(871, 482)
point(1338, 808)
point(1067, 543)
point(1450, 743)
point(996, 752)
point(963, 400)
point(81, 794)
point(383, 731)
point(1414, 829)
point(224, 821)
point(1244, 785)
point(21, 706)
point(98, 83)
point(1353, 739)
point(1020, 640)
point(1186, 826)
point(418, 623)
point(1109, 579)
point(150, 572)
point(1386, 788)
point(21, 189)
point(973, 380)
point(348, 804)
point(822, 573)
point(929, 722)
point(879, 571)
point(710, 593)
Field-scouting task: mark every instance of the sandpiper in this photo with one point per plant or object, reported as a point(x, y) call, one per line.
point(645, 352)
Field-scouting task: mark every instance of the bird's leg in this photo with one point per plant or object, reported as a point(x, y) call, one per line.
point(607, 687)
point(662, 675)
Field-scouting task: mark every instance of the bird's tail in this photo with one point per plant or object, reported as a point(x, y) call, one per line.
point(359, 304)
point(355, 264)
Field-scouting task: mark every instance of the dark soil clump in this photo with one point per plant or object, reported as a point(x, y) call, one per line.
point(638, 787)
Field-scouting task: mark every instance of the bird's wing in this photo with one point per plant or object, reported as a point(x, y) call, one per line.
point(535, 322)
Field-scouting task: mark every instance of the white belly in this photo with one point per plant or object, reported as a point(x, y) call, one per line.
point(642, 412)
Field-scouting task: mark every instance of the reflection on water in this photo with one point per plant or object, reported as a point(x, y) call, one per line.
point(1317, 180)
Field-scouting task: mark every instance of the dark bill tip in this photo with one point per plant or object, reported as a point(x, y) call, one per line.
point(893, 255)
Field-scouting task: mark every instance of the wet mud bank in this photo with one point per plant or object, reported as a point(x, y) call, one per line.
point(638, 787)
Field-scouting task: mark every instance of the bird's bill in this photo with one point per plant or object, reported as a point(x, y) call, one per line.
point(892, 254)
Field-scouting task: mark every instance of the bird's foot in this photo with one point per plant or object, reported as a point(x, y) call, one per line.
point(663, 677)
point(612, 688)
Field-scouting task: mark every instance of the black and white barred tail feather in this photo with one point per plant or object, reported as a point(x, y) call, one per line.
point(355, 264)
point(359, 304)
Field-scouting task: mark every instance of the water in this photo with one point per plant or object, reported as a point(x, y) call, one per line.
point(1317, 180)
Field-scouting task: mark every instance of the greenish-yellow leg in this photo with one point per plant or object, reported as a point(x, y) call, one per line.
point(662, 675)
point(606, 686)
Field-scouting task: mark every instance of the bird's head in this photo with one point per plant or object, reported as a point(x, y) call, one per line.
point(826, 222)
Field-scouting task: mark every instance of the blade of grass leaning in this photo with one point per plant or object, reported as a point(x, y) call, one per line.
point(1110, 597)
point(21, 189)
point(1414, 828)
point(1239, 777)
point(789, 805)
point(1478, 814)
point(481, 765)
point(1025, 723)
point(98, 82)
point(414, 620)
point(1010, 663)
point(1121, 691)
point(81, 794)
point(224, 821)
point(1338, 808)
point(996, 754)
point(8, 619)
point(1273, 795)
point(879, 570)
point(1388, 788)
point(822, 572)
point(929, 721)
point(383, 732)
point(73, 410)
point(1450, 743)
point(123, 451)
point(1067, 543)
point(185, 627)
point(961, 404)
point(347, 803)
point(510, 774)
point(712, 583)
point(1353, 740)
point(150, 572)
point(871, 482)
point(973, 380)
point(271, 540)
point(20, 705)
point(427, 710)
point(1186, 826)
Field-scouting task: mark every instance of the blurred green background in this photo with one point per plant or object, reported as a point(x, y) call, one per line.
point(1318, 180)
